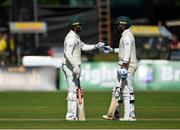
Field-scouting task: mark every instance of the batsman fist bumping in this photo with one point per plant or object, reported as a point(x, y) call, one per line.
point(71, 64)
point(123, 89)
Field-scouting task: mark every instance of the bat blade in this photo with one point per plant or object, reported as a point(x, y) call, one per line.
point(112, 107)
point(80, 101)
point(81, 113)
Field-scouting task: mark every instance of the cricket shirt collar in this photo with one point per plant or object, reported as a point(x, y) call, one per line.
point(126, 31)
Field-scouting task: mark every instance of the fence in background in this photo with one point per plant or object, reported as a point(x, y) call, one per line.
point(151, 75)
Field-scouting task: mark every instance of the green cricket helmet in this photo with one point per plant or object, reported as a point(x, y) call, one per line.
point(75, 21)
point(123, 20)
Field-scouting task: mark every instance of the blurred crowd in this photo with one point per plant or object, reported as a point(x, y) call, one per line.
point(7, 49)
point(3, 46)
point(147, 48)
point(175, 43)
point(158, 48)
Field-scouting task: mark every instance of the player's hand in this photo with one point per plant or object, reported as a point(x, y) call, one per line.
point(123, 70)
point(77, 71)
point(100, 45)
point(123, 73)
point(107, 49)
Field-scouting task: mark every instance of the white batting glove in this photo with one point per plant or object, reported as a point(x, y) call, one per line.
point(77, 71)
point(123, 73)
point(123, 70)
point(100, 45)
point(108, 49)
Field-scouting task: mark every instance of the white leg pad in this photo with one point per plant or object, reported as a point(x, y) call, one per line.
point(132, 106)
point(126, 96)
point(71, 106)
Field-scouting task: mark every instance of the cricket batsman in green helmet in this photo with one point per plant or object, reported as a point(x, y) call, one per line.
point(123, 89)
point(72, 61)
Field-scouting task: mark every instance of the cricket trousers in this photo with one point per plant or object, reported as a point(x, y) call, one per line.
point(126, 95)
point(72, 83)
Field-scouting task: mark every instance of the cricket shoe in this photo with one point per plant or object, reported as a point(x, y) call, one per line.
point(132, 118)
point(107, 117)
point(124, 119)
point(72, 118)
point(127, 119)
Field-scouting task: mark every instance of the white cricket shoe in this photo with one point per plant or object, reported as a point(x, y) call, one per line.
point(124, 119)
point(132, 118)
point(71, 117)
point(127, 119)
point(107, 117)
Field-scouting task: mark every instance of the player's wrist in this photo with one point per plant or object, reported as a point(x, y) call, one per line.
point(125, 65)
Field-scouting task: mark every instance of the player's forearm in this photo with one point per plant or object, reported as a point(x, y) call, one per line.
point(86, 47)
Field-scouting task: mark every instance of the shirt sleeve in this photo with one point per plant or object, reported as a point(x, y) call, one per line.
point(69, 47)
point(127, 49)
point(86, 47)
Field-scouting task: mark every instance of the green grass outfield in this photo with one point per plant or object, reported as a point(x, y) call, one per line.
point(46, 110)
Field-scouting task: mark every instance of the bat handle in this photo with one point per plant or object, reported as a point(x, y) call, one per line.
point(79, 95)
point(79, 92)
point(78, 81)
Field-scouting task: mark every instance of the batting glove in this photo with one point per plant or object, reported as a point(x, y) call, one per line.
point(107, 49)
point(123, 70)
point(100, 45)
point(123, 73)
point(77, 71)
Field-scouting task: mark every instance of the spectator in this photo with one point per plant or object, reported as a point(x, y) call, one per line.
point(174, 44)
point(3, 45)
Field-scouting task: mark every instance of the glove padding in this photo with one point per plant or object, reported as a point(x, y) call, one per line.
point(100, 45)
point(107, 49)
point(123, 73)
point(77, 71)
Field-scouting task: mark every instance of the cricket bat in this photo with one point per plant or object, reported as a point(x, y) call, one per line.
point(112, 108)
point(113, 105)
point(80, 102)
